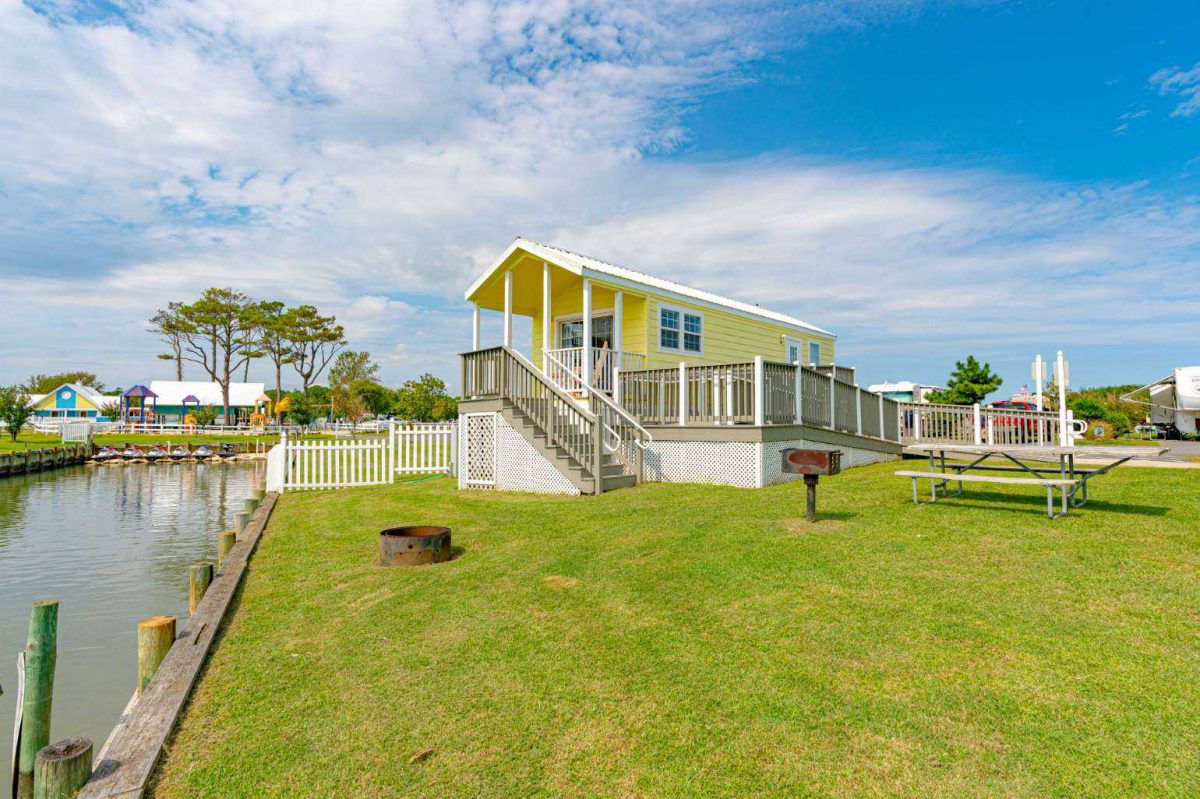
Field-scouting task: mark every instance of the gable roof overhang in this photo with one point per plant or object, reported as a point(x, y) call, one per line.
point(585, 266)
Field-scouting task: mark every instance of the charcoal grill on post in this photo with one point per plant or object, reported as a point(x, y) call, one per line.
point(415, 545)
point(812, 463)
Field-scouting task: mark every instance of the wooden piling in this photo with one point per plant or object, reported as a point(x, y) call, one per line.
point(240, 520)
point(250, 505)
point(199, 578)
point(225, 541)
point(258, 493)
point(41, 654)
point(155, 636)
point(62, 768)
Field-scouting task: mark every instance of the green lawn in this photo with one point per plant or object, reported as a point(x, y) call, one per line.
point(679, 640)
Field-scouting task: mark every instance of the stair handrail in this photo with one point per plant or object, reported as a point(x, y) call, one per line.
point(643, 439)
point(548, 383)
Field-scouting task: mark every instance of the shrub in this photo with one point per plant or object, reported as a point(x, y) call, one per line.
point(1119, 422)
point(1087, 408)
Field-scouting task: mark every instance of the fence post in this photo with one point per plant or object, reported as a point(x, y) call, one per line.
point(858, 410)
point(760, 399)
point(799, 412)
point(832, 401)
point(882, 429)
point(978, 426)
point(616, 378)
point(916, 412)
point(682, 394)
point(283, 442)
point(454, 449)
point(391, 451)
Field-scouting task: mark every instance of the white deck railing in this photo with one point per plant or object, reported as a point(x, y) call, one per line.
point(565, 368)
point(928, 423)
point(759, 393)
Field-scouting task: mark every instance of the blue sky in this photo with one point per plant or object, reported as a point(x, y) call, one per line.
point(927, 179)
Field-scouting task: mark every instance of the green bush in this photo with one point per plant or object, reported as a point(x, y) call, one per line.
point(1119, 422)
point(1087, 408)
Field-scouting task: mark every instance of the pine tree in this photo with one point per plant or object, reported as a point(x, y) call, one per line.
point(969, 383)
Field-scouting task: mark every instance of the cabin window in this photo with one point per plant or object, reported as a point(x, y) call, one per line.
point(814, 352)
point(680, 330)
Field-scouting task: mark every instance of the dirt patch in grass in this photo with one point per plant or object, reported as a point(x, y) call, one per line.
point(559, 581)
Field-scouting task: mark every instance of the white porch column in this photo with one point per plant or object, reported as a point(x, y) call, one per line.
point(547, 315)
point(618, 317)
point(474, 326)
point(508, 309)
point(759, 392)
point(587, 332)
point(683, 398)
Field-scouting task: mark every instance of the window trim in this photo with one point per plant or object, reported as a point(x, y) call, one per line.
point(681, 310)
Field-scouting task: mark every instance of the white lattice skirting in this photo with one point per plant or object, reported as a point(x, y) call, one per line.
point(494, 455)
point(738, 463)
point(499, 457)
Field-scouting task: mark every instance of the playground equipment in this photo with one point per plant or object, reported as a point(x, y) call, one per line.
point(134, 407)
point(262, 411)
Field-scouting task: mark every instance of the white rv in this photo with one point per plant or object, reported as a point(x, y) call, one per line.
point(1174, 401)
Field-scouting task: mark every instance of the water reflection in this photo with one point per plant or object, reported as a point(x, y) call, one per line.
point(113, 545)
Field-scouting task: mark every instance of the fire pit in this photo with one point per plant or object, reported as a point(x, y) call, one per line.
point(415, 545)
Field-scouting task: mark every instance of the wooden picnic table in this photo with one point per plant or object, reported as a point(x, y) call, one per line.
point(1067, 478)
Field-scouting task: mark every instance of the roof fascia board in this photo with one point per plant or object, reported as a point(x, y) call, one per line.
point(687, 299)
point(491, 271)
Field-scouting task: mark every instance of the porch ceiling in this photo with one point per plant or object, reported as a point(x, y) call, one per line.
point(527, 285)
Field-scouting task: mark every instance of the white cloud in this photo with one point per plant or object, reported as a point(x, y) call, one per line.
point(369, 158)
point(1184, 83)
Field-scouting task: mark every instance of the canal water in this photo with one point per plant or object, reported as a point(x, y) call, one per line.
point(112, 544)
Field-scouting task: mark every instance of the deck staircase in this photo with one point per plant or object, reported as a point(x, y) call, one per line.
point(591, 441)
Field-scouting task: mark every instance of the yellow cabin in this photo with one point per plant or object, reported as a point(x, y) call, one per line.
point(632, 377)
point(632, 321)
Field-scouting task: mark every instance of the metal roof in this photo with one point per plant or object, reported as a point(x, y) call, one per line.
point(584, 264)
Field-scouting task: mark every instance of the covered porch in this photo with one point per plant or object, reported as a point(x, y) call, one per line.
point(583, 334)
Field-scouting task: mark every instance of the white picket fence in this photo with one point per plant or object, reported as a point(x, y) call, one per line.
point(403, 449)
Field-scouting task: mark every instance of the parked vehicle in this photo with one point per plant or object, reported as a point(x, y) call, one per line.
point(156, 452)
point(226, 451)
point(1025, 426)
point(202, 451)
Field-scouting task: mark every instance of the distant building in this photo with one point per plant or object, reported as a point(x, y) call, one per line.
point(170, 407)
point(70, 401)
point(903, 391)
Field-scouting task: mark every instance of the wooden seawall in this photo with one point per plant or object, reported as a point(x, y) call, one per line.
point(36, 460)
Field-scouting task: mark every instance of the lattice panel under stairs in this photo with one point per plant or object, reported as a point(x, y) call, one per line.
point(521, 467)
point(478, 438)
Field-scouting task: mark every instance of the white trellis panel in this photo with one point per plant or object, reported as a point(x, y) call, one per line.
point(479, 450)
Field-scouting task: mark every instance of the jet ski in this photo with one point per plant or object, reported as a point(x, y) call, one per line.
point(179, 453)
point(132, 453)
point(156, 453)
point(202, 451)
point(226, 451)
point(106, 454)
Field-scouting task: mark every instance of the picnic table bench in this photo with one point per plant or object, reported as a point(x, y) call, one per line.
point(1069, 480)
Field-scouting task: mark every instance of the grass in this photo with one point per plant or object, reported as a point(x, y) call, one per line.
point(681, 640)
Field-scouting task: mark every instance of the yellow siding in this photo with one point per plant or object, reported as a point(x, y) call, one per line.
point(568, 301)
point(727, 336)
